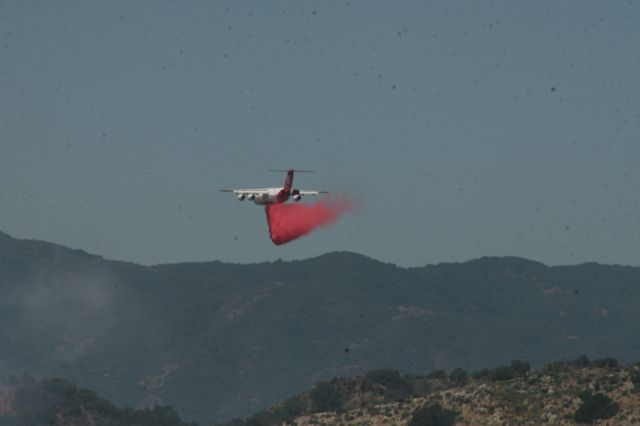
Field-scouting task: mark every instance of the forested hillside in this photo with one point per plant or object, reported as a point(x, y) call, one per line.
point(218, 340)
point(26, 401)
point(579, 391)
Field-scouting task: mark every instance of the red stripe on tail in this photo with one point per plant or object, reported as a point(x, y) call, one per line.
point(288, 182)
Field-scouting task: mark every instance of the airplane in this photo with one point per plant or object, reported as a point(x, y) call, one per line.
point(264, 196)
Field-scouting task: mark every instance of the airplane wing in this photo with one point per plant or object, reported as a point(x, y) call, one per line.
point(259, 191)
point(301, 192)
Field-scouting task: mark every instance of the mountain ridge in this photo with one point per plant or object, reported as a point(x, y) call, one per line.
point(218, 340)
point(337, 253)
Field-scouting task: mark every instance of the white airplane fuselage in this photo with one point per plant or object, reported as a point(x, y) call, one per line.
point(268, 197)
point(264, 196)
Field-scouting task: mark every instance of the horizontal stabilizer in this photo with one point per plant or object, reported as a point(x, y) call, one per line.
point(292, 170)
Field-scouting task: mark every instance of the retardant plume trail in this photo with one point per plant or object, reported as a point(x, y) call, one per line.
point(290, 221)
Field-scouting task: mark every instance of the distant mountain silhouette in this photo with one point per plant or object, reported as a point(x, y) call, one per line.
point(25, 401)
point(218, 340)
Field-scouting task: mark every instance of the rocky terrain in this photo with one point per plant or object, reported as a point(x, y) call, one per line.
point(554, 395)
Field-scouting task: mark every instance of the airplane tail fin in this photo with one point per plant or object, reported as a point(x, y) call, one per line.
point(288, 182)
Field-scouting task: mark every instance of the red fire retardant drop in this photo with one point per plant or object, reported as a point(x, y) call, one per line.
point(290, 221)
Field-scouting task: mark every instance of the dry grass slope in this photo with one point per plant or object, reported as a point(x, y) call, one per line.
point(547, 396)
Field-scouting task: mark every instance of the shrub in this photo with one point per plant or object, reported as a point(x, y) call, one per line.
point(396, 387)
point(325, 397)
point(59, 387)
point(605, 363)
point(292, 407)
point(433, 415)
point(259, 419)
point(458, 376)
point(520, 367)
point(504, 372)
point(556, 367)
point(385, 377)
point(594, 407)
point(438, 374)
point(481, 374)
point(635, 379)
point(581, 362)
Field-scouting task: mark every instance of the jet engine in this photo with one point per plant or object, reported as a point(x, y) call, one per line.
point(241, 197)
point(297, 197)
point(252, 197)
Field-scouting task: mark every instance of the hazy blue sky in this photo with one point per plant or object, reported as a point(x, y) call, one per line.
point(469, 128)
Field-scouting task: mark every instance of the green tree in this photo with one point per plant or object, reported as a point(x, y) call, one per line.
point(433, 415)
point(396, 386)
point(521, 368)
point(605, 363)
point(261, 418)
point(437, 374)
point(45, 402)
point(59, 387)
point(481, 374)
point(292, 407)
point(581, 362)
point(503, 372)
point(635, 379)
point(325, 397)
point(458, 376)
point(385, 377)
point(594, 407)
